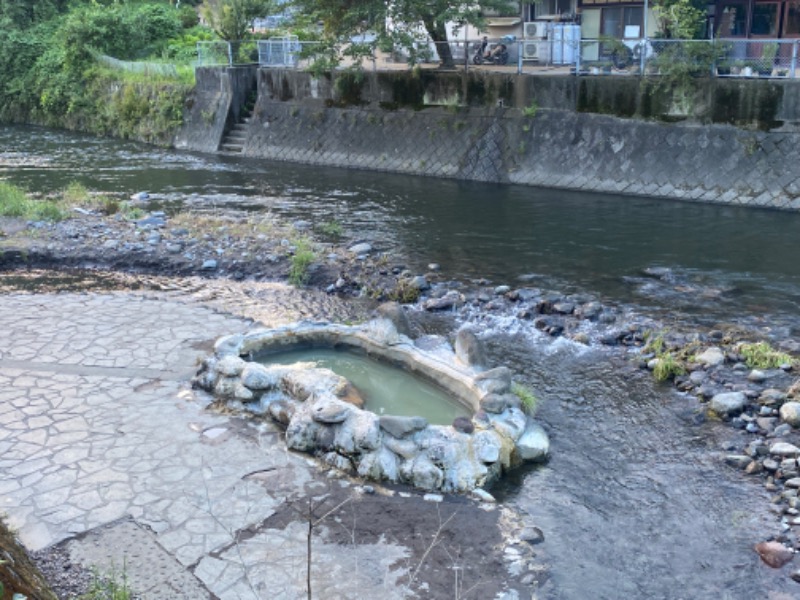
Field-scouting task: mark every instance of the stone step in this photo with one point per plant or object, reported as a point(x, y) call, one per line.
point(232, 147)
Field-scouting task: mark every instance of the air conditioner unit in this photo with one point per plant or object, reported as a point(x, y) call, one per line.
point(536, 50)
point(536, 29)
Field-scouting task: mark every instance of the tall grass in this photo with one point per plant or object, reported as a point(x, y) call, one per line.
point(15, 202)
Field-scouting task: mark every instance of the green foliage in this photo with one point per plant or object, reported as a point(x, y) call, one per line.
point(300, 262)
point(344, 19)
point(331, 229)
point(405, 292)
point(667, 367)
point(680, 19)
point(667, 364)
point(113, 586)
point(529, 401)
point(15, 202)
point(763, 356)
point(530, 110)
point(230, 19)
point(49, 72)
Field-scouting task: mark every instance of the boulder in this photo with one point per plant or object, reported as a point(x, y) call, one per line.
point(394, 312)
point(425, 475)
point(494, 381)
point(487, 446)
point(784, 449)
point(258, 377)
point(450, 300)
point(402, 426)
point(230, 365)
point(469, 348)
point(301, 434)
point(790, 413)
point(330, 410)
point(510, 423)
point(728, 403)
point(463, 424)
point(533, 445)
point(379, 465)
point(281, 411)
point(406, 449)
point(362, 248)
point(711, 357)
point(365, 430)
point(495, 403)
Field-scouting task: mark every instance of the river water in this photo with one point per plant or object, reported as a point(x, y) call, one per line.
point(634, 503)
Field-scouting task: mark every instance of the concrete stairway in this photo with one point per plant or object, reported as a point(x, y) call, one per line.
point(234, 139)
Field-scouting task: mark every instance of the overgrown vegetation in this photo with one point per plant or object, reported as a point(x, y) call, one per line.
point(405, 292)
point(15, 202)
point(331, 229)
point(668, 364)
point(527, 398)
point(761, 355)
point(301, 261)
point(63, 64)
point(111, 586)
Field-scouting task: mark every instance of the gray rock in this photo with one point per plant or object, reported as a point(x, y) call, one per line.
point(738, 461)
point(782, 429)
point(434, 267)
point(337, 461)
point(487, 446)
point(532, 535)
point(784, 449)
point(728, 403)
point(301, 434)
point(258, 377)
point(484, 496)
point(402, 426)
point(174, 248)
point(209, 265)
point(420, 283)
point(243, 394)
point(330, 410)
point(406, 448)
point(793, 483)
point(362, 248)
point(502, 289)
point(378, 465)
point(511, 423)
point(282, 411)
point(495, 403)
point(494, 381)
point(226, 387)
point(771, 396)
point(425, 475)
point(365, 430)
point(230, 365)
point(756, 376)
point(711, 357)
point(395, 313)
point(463, 424)
point(229, 344)
point(533, 445)
point(469, 348)
point(790, 413)
point(451, 299)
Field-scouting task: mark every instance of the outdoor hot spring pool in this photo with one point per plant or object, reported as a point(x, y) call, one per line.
point(386, 389)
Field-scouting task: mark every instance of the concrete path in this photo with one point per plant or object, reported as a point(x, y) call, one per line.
point(105, 448)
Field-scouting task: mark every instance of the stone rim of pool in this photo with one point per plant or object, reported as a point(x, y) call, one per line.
point(312, 404)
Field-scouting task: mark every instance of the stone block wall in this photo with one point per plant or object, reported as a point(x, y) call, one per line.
point(735, 142)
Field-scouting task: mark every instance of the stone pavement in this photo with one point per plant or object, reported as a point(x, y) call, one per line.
point(105, 448)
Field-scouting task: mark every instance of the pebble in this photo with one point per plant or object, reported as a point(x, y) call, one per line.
point(209, 265)
point(433, 498)
point(502, 289)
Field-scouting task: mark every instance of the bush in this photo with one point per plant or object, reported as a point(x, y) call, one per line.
point(15, 202)
point(301, 260)
point(763, 356)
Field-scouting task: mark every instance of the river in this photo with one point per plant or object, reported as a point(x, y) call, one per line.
point(634, 503)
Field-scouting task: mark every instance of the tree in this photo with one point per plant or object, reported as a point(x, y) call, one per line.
point(402, 23)
point(231, 19)
point(23, 13)
point(680, 19)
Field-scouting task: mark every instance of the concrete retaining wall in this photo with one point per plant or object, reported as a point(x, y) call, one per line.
point(732, 142)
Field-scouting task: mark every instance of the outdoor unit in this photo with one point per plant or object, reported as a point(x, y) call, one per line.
point(536, 30)
point(536, 50)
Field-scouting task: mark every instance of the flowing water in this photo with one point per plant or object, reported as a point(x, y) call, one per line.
point(634, 503)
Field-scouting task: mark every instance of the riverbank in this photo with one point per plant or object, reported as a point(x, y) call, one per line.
point(247, 247)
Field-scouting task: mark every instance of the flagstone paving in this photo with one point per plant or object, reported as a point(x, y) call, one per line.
point(106, 449)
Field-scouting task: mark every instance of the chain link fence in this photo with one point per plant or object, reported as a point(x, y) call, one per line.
point(564, 52)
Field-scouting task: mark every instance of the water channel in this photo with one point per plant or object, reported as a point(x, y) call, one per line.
point(634, 503)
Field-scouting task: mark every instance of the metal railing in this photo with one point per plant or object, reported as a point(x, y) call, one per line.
point(564, 52)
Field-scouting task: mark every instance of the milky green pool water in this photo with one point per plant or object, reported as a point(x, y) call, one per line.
point(385, 389)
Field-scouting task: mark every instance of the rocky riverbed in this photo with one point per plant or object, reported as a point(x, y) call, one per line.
point(240, 245)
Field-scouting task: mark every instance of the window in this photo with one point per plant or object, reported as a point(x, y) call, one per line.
point(791, 22)
point(765, 20)
point(616, 19)
point(732, 21)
